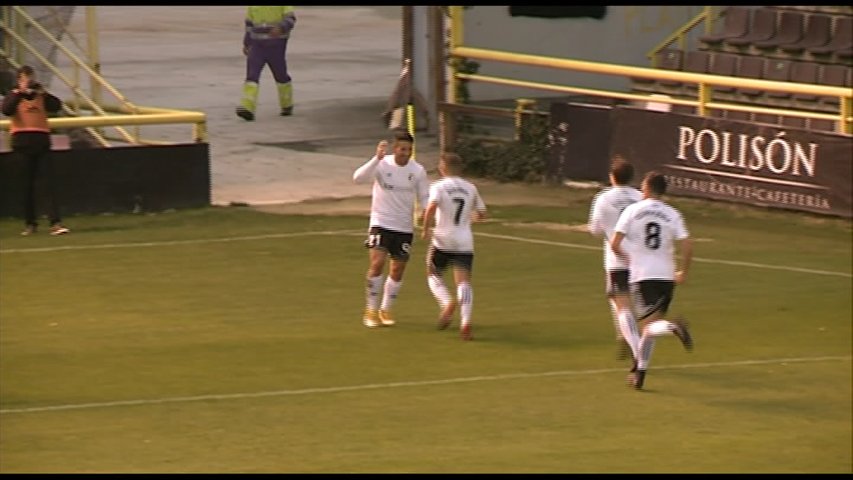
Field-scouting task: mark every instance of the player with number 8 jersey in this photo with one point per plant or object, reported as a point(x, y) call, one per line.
point(648, 233)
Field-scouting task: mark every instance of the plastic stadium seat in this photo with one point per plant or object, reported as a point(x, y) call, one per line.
point(817, 33)
point(841, 39)
point(779, 71)
point(669, 59)
point(763, 28)
point(789, 31)
point(724, 64)
point(835, 75)
point(735, 24)
point(766, 118)
point(794, 122)
point(820, 124)
point(685, 109)
point(696, 61)
point(805, 72)
point(750, 67)
point(738, 116)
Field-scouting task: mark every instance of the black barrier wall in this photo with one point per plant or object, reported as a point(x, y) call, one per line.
point(743, 162)
point(116, 180)
point(579, 143)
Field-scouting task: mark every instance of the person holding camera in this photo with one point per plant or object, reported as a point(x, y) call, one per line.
point(28, 106)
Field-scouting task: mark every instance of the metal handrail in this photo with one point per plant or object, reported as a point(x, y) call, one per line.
point(704, 81)
point(707, 15)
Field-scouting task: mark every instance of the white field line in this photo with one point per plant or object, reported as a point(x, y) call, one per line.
point(167, 243)
point(697, 259)
point(421, 383)
point(362, 232)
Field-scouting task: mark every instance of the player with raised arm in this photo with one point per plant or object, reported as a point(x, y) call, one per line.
point(398, 183)
point(648, 233)
point(452, 205)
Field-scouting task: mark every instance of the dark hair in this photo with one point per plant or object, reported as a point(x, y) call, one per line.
point(656, 182)
point(403, 136)
point(622, 170)
point(26, 70)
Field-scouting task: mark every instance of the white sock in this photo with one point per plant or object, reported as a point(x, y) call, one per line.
point(660, 327)
point(374, 288)
point(390, 294)
point(439, 290)
point(465, 294)
point(628, 328)
point(614, 312)
point(646, 346)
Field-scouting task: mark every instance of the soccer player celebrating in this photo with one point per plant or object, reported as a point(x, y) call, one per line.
point(398, 182)
point(453, 203)
point(647, 233)
point(605, 210)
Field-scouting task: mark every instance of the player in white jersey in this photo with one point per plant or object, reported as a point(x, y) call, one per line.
point(452, 205)
point(648, 233)
point(603, 214)
point(398, 183)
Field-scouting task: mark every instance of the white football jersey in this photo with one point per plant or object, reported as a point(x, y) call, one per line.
point(456, 199)
point(395, 190)
point(604, 213)
point(651, 228)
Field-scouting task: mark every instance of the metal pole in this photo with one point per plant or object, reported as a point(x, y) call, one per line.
point(447, 121)
point(94, 60)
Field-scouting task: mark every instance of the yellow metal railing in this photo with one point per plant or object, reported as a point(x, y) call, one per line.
point(14, 19)
point(708, 15)
point(705, 83)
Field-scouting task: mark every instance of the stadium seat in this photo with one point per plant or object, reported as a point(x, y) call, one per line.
point(805, 72)
point(794, 122)
point(820, 124)
point(778, 70)
point(735, 24)
point(738, 116)
point(763, 28)
point(685, 109)
point(835, 75)
point(817, 33)
point(724, 64)
point(696, 61)
point(842, 39)
point(765, 118)
point(789, 31)
point(668, 58)
point(750, 67)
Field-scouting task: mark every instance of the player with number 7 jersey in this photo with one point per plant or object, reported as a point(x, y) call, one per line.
point(452, 205)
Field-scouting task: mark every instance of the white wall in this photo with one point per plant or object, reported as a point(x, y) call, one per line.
point(624, 36)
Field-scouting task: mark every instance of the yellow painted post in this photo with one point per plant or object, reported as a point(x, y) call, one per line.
point(709, 19)
point(200, 132)
point(94, 60)
point(447, 121)
point(522, 107)
point(410, 124)
point(704, 97)
point(846, 107)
